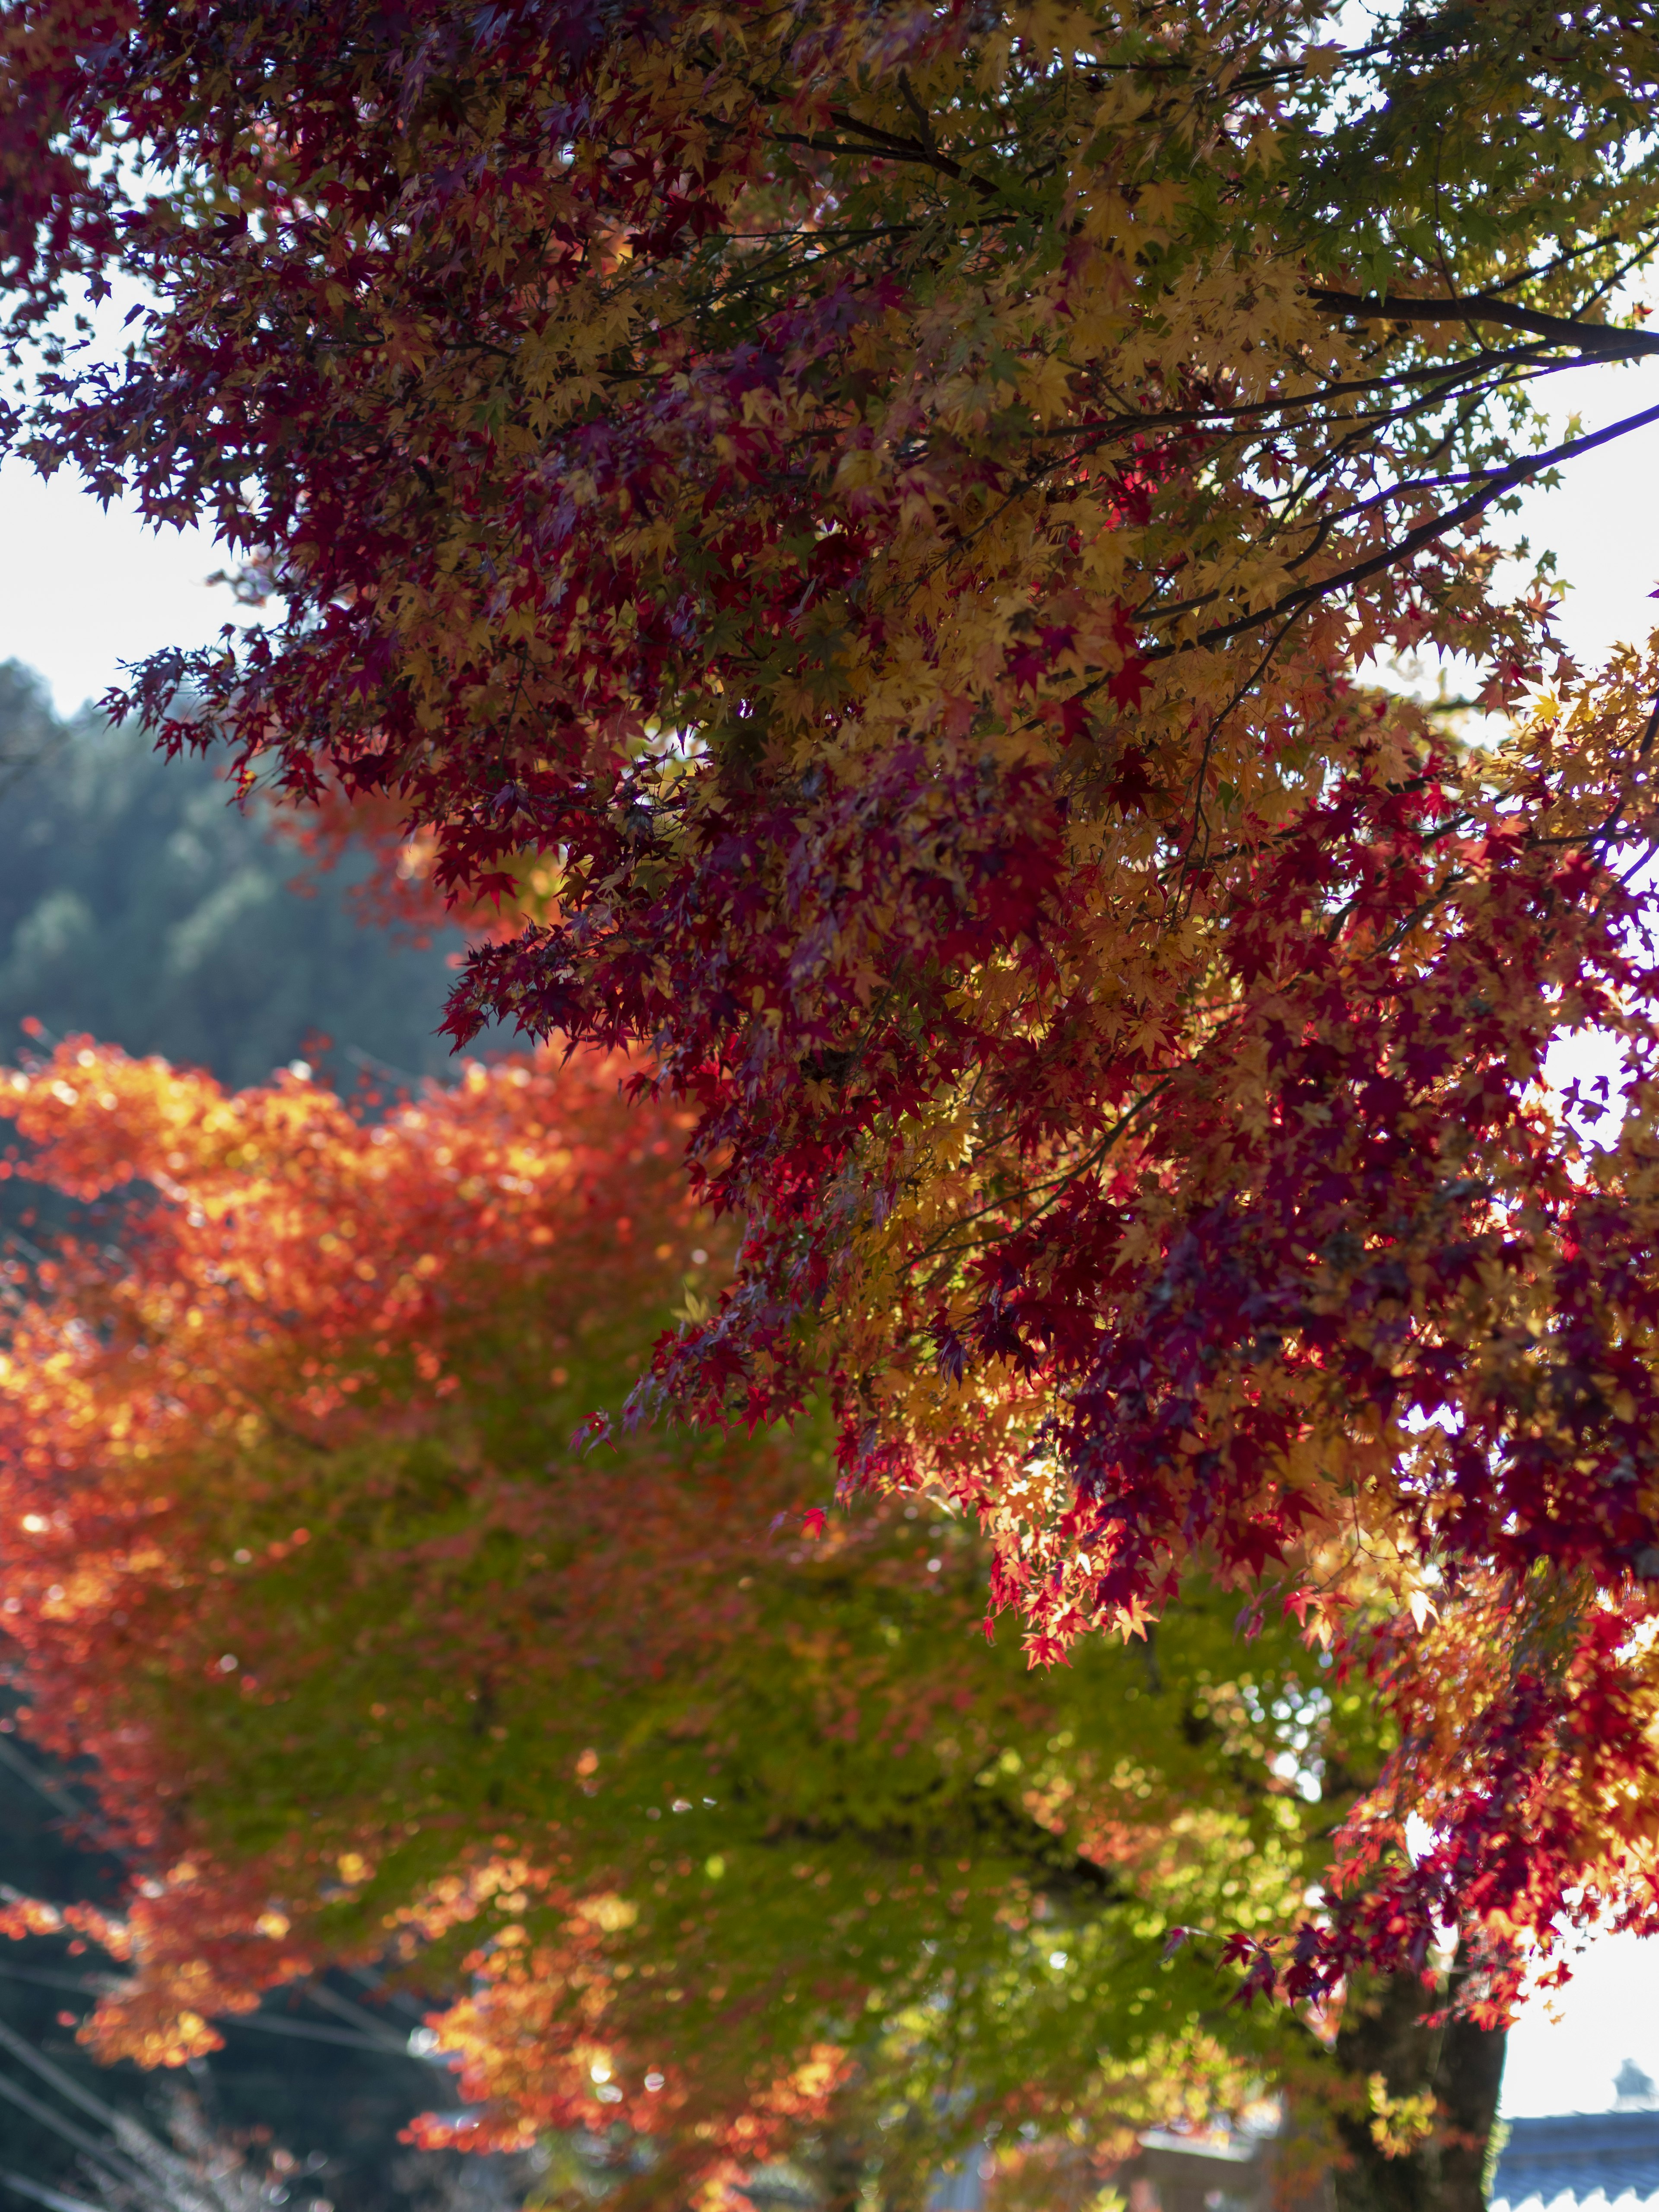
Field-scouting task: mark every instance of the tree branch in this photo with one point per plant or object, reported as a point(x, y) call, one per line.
point(1598, 339)
point(1425, 534)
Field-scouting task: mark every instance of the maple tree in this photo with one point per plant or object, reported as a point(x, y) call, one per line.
point(734, 1844)
point(872, 517)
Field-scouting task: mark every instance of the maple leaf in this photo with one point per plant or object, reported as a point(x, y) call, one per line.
point(906, 676)
point(329, 1357)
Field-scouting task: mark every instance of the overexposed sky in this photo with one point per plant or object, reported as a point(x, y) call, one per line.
point(1608, 2012)
point(83, 589)
point(1603, 522)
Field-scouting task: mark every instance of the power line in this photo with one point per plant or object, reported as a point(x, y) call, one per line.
point(53, 2197)
point(51, 1790)
point(111, 2161)
point(65, 2085)
point(267, 2023)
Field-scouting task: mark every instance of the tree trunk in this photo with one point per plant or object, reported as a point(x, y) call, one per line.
point(841, 2165)
point(1457, 2065)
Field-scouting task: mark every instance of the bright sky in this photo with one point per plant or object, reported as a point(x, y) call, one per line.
point(82, 589)
point(1608, 2012)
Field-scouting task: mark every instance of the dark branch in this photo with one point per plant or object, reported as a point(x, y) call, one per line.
point(1598, 338)
point(1504, 480)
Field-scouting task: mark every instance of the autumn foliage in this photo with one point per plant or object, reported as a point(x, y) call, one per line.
point(884, 511)
point(710, 1841)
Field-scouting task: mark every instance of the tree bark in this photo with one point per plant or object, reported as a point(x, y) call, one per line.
point(841, 2164)
point(1459, 2065)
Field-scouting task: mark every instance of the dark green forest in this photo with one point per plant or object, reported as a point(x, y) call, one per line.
point(140, 904)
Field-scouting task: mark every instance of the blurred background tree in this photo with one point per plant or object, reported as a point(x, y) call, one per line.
point(137, 901)
point(721, 1841)
point(638, 1792)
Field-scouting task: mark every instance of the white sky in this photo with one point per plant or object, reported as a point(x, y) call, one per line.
point(83, 589)
point(1608, 2012)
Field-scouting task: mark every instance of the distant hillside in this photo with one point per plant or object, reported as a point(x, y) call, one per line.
point(139, 903)
point(136, 904)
